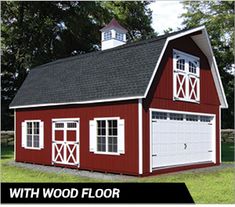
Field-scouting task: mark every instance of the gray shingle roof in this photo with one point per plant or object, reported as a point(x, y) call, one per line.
point(124, 71)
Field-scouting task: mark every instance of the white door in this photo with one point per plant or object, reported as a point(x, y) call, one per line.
point(65, 142)
point(182, 139)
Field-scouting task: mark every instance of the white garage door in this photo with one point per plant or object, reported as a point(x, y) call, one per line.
point(181, 139)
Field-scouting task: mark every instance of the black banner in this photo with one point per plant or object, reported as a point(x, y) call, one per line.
point(95, 193)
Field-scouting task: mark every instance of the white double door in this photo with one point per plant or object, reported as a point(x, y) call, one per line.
point(182, 142)
point(65, 142)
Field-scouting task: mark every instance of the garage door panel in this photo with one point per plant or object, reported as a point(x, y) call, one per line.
point(179, 141)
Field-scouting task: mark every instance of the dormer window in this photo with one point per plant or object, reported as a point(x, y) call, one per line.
point(107, 35)
point(186, 77)
point(119, 36)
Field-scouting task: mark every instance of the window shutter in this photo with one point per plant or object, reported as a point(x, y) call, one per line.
point(23, 134)
point(121, 136)
point(41, 134)
point(92, 129)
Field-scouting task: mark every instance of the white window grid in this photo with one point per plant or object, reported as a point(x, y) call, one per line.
point(119, 36)
point(32, 134)
point(107, 35)
point(107, 140)
point(181, 117)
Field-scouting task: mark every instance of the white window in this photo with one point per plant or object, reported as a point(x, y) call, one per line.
point(159, 115)
point(186, 77)
point(119, 36)
point(107, 35)
point(178, 117)
point(107, 136)
point(32, 134)
point(191, 118)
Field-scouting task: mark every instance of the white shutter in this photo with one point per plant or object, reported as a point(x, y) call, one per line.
point(92, 145)
point(41, 134)
point(121, 136)
point(23, 134)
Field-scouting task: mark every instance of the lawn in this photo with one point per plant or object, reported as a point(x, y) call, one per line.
point(205, 187)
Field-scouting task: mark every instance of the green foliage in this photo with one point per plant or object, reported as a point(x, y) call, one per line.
point(228, 152)
point(218, 17)
point(34, 33)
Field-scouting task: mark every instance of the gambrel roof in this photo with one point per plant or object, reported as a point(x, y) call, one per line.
point(122, 73)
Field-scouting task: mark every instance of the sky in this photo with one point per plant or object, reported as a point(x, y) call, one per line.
point(166, 15)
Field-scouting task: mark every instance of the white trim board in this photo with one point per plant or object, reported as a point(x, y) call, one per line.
point(74, 103)
point(202, 40)
point(140, 135)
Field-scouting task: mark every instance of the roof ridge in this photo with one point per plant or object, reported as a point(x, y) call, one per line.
point(129, 44)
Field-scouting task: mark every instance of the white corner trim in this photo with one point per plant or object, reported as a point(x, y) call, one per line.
point(14, 134)
point(150, 142)
point(220, 143)
point(79, 102)
point(140, 135)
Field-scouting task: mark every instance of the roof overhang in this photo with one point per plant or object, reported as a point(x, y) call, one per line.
point(200, 37)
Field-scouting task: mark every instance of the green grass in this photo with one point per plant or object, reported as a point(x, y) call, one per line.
point(205, 187)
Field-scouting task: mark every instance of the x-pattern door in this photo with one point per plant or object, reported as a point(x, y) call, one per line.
point(65, 142)
point(180, 89)
point(193, 88)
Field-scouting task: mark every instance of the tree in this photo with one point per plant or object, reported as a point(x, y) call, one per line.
point(34, 33)
point(218, 17)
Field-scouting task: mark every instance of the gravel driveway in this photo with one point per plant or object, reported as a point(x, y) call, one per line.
point(107, 176)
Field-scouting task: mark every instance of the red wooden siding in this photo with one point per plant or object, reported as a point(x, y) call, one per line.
point(126, 163)
point(161, 93)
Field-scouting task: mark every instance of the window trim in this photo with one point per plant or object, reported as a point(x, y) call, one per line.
point(188, 58)
point(106, 140)
point(31, 121)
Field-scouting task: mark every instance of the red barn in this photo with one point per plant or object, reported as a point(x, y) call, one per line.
point(140, 108)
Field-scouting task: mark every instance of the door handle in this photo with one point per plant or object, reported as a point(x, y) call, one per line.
point(155, 155)
point(185, 146)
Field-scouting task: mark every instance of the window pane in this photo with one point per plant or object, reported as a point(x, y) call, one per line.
point(59, 125)
point(29, 140)
point(159, 115)
point(205, 118)
point(36, 127)
point(101, 144)
point(29, 127)
point(191, 118)
point(112, 144)
point(112, 127)
point(107, 35)
point(101, 129)
point(36, 141)
point(180, 64)
point(119, 36)
point(192, 67)
point(71, 125)
point(179, 117)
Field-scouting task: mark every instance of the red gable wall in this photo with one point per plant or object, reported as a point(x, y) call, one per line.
point(161, 92)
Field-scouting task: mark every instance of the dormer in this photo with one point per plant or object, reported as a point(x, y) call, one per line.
point(112, 35)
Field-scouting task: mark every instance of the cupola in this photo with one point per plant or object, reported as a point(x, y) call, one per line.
point(112, 35)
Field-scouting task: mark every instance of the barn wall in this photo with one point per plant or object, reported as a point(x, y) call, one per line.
point(126, 163)
point(161, 92)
